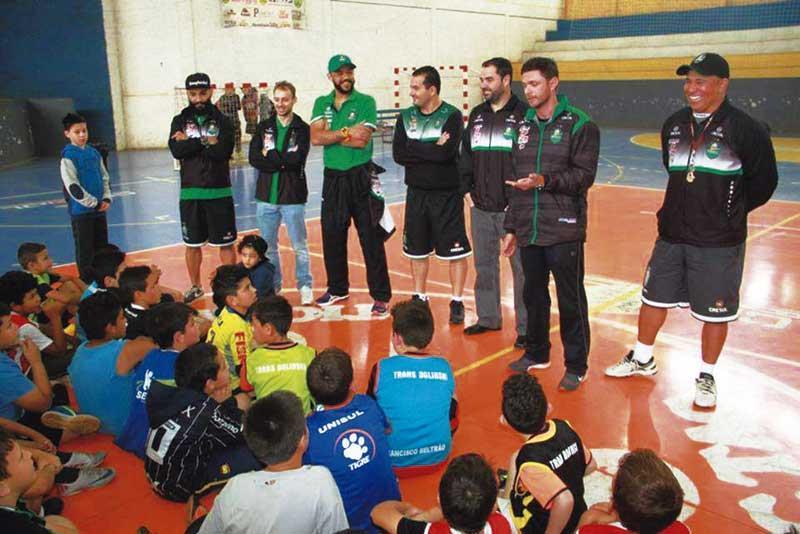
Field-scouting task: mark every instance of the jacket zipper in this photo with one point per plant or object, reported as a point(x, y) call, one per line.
point(536, 191)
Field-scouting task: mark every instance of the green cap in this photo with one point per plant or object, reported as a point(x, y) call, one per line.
point(338, 61)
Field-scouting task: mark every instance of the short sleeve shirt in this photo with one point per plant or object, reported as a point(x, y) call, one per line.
point(13, 385)
point(357, 109)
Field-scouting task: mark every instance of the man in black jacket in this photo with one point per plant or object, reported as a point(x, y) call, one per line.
point(554, 158)
point(201, 138)
point(278, 150)
point(721, 166)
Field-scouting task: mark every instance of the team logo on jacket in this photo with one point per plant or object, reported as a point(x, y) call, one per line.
point(508, 133)
point(356, 445)
point(524, 135)
point(713, 150)
point(556, 136)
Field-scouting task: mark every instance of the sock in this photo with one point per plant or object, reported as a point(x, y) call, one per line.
point(707, 368)
point(457, 299)
point(422, 296)
point(642, 353)
point(67, 475)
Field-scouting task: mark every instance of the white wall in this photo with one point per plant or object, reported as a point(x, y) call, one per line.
point(158, 43)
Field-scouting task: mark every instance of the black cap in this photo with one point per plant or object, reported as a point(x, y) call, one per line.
point(707, 64)
point(198, 80)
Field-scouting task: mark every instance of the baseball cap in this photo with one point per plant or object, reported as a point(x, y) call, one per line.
point(198, 80)
point(707, 64)
point(338, 61)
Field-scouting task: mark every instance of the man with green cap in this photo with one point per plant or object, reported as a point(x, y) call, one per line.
point(343, 122)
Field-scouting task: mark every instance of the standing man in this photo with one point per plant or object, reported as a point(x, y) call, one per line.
point(426, 140)
point(721, 166)
point(554, 161)
point(485, 166)
point(278, 150)
point(201, 137)
point(343, 122)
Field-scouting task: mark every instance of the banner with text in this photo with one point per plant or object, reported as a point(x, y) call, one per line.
point(267, 13)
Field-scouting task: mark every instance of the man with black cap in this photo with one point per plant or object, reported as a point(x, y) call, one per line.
point(201, 138)
point(721, 166)
point(343, 121)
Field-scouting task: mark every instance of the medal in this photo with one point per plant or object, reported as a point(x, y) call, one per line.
point(695, 144)
point(690, 176)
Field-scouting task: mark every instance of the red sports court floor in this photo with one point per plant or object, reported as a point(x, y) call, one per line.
point(739, 464)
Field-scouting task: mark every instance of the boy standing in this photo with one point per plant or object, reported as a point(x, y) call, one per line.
point(416, 392)
point(86, 190)
point(545, 477)
point(285, 496)
point(347, 434)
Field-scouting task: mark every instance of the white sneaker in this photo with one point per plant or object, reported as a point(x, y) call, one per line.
point(705, 393)
point(628, 366)
point(306, 296)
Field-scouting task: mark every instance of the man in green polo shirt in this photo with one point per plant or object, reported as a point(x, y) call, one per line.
point(343, 121)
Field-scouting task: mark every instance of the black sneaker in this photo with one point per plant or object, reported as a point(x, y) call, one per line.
point(416, 298)
point(192, 294)
point(456, 312)
point(476, 329)
point(521, 341)
point(521, 365)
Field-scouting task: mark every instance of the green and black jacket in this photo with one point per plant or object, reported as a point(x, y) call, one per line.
point(281, 173)
point(565, 150)
point(734, 173)
point(485, 161)
point(429, 166)
point(205, 171)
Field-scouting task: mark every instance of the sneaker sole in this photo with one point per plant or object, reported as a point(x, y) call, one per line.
point(539, 366)
point(94, 485)
point(649, 372)
point(79, 424)
point(705, 406)
point(334, 299)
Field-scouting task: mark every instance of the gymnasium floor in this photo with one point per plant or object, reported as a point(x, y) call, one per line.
point(739, 465)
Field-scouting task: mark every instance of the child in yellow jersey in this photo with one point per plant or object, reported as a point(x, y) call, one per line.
point(278, 363)
point(230, 332)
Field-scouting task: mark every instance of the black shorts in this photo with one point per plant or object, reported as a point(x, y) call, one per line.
point(705, 279)
point(208, 221)
point(434, 221)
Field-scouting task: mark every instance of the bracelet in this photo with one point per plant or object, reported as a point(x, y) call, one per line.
point(346, 133)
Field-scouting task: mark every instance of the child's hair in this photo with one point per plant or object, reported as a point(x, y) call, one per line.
point(167, 318)
point(413, 322)
point(274, 310)
point(6, 445)
point(27, 252)
point(71, 119)
point(195, 365)
point(98, 311)
point(105, 263)
point(467, 493)
point(5, 310)
point(134, 279)
point(274, 426)
point(256, 242)
point(329, 376)
point(14, 285)
point(524, 403)
point(226, 282)
point(646, 493)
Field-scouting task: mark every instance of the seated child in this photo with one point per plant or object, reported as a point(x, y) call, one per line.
point(416, 391)
point(467, 503)
point(347, 434)
point(34, 259)
point(278, 362)
point(172, 325)
point(545, 477)
point(646, 498)
point(231, 332)
point(107, 264)
point(101, 371)
point(19, 290)
point(140, 286)
point(253, 250)
point(195, 439)
point(285, 496)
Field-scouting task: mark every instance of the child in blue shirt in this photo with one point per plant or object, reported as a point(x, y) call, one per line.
point(86, 190)
point(347, 434)
point(253, 250)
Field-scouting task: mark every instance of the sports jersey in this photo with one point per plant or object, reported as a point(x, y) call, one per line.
point(496, 524)
point(357, 109)
point(557, 459)
point(27, 329)
point(281, 366)
point(415, 393)
point(159, 364)
point(351, 442)
point(616, 528)
point(233, 336)
point(137, 321)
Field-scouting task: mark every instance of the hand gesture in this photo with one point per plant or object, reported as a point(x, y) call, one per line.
point(31, 351)
point(179, 136)
point(468, 200)
point(359, 132)
point(527, 183)
point(507, 245)
point(104, 205)
point(41, 441)
point(443, 139)
point(212, 139)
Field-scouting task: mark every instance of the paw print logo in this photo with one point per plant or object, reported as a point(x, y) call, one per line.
point(353, 447)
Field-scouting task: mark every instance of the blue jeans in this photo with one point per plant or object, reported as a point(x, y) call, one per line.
point(268, 217)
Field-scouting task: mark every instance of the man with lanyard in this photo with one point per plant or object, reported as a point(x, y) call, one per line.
point(343, 121)
point(278, 150)
point(201, 137)
point(485, 165)
point(555, 155)
point(721, 166)
point(426, 140)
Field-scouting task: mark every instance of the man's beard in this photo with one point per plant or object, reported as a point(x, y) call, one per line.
point(199, 107)
point(342, 90)
point(494, 97)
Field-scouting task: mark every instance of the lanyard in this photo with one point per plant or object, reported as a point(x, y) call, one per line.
point(695, 144)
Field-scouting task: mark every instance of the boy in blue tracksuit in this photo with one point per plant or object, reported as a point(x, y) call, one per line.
point(86, 190)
